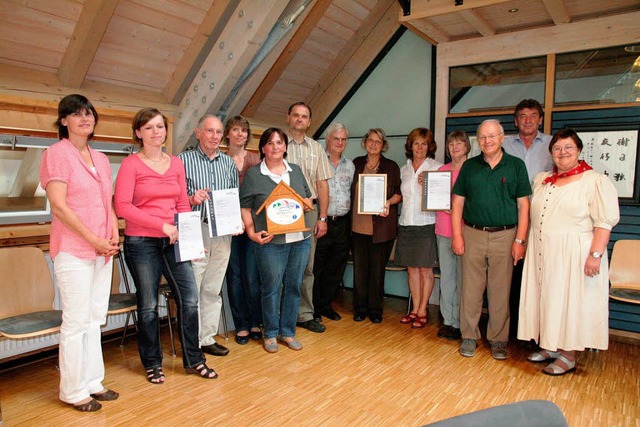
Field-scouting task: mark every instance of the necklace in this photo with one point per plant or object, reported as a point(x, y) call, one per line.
point(155, 162)
point(373, 167)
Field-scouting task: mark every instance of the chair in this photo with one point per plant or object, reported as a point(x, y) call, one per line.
point(167, 294)
point(624, 271)
point(27, 295)
point(122, 302)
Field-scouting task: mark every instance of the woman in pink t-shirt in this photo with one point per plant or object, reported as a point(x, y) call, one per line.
point(84, 238)
point(150, 189)
point(457, 147)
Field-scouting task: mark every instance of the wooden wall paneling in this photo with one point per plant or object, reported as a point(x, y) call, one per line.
point(156, 16)
point(37, 58)
point(549, 92)
point(68, 9)
point(209, 29)
point(336, 14)
point(427, 8)
point(240, 40)
point(355, 9)
point(363, 56)
point(84, 42)
point(329, 25)
point(287, 55)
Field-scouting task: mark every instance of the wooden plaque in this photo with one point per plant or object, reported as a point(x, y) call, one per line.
point(285, 210)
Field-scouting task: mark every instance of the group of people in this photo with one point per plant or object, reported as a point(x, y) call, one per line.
point(277, 282)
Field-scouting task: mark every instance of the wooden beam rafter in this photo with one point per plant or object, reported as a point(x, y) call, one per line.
point(478, 22)
point(308, 25)
point(242, 36)
point(349, 50)
point(378, 37)
point(210, 27)
point(428, 31)
point(87, 35)
point(558, 11)
point(427, 8)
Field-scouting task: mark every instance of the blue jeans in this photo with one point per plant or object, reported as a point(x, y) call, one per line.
point(148, 258)
point(243, 284)
point(281, 268)
point(450, 279)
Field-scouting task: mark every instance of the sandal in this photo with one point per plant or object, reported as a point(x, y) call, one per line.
point(105, 395)
point(203, 370)
point(409, 318)
point(91, 406)
point(155, 375)
point(419, 323)
point(543, 356)
point(556, 370)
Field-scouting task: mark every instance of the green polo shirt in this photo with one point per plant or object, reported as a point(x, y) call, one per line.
point(491, 194)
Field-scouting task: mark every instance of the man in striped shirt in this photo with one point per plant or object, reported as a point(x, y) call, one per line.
point(209, 169)
point(312, 159)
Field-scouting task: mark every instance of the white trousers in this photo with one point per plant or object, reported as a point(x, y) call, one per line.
point(84, 287)
point(209, 273)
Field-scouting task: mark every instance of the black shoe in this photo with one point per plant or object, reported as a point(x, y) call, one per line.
point(455, 334)
point(255, 335)
point(317, 317)
point(242, 340)
point(312, 325)
point(375, 318)
point(359, 317)
point(331, 314)
point(215, 349)
point(449, 332)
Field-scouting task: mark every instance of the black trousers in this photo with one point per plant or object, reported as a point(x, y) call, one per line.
point(369, 263)
point(514, 299)
point(330, 262)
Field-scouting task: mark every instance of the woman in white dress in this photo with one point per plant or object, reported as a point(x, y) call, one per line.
point(565, 284)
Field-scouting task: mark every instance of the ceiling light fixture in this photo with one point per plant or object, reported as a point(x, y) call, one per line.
point(513, 10)
point(632, 48)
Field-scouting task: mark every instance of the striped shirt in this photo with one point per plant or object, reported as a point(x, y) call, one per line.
point(219, 173)
point(312, 159)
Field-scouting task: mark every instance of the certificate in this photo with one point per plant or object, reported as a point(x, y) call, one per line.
point(372, 198)
point(189, 244)
point(436, 190)
point(226, 218)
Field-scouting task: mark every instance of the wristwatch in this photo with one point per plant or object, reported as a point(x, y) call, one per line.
point(323, 219)
point(596, 254)
point(522, 242)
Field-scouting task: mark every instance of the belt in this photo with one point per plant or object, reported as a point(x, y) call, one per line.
point(491, 229)
point(336, 217)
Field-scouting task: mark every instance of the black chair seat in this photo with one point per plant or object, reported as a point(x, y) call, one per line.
point(625, 294)
point(30, 323)
point(122, 301)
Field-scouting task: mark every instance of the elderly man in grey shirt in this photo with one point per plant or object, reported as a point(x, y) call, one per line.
point(332, 250)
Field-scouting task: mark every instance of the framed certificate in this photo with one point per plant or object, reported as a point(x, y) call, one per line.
point(372, 197)
point(436, 190)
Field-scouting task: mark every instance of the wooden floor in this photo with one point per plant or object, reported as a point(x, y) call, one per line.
point(354, 374)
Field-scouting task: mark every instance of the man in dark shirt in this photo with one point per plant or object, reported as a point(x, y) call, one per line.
point(491, 195)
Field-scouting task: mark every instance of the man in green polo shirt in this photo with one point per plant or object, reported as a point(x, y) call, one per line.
point(491, 197)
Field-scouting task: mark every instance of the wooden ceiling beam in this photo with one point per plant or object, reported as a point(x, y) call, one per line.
point(27, 178)
point(478, 22)
point(211, 27)
point(558, 11)
point(243, 35)
point(83, 45)
point(428, 31)
point(349, 50)
point(309, 24)
point(427, 8)
point(378, 37)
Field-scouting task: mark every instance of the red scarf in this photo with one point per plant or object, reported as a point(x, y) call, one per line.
point(582, 167)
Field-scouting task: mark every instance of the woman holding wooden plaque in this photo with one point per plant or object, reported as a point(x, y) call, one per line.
point(281, 257)
point(373, 230)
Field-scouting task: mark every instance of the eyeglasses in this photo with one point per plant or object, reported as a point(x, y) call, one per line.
point(491, 137)
point(373, 141)
point(567, 148)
